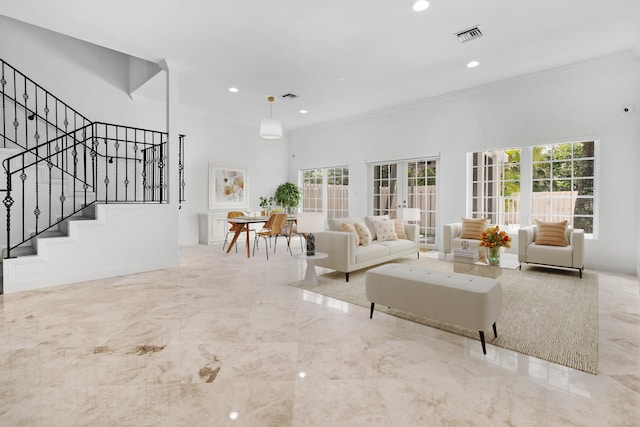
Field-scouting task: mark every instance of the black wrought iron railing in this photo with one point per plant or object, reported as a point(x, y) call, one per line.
point(181, 183)
point(79, 164)
point(30, 113)
point(97, 163)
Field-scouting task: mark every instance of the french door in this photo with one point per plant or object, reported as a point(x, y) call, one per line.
point(406, 184)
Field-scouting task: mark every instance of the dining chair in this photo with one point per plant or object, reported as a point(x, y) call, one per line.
point(293, 229)
point(273, 228)
point(232, 227)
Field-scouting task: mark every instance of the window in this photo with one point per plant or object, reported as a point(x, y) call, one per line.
point(560, 184)
point(406, 184)
point(421, 193)
point(312, 190)
point(327, 191)
point(496, 186)
point(338, 192)
point(563, 183)
point(385, 191)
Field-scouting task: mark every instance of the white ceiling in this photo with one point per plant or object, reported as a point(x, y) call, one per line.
point(343, 58)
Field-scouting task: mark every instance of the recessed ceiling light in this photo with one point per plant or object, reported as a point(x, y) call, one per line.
point(233, 89)
point(303, 111)
point(420, 5)
point(341, 79)
point(473, 64)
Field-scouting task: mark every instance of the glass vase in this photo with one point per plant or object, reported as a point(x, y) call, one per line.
point(493, 256)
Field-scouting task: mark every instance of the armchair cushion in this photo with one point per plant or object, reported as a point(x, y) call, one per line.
point(472, 228)
point(552, 233)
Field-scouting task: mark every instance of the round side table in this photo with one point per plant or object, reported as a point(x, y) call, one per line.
point(310, 278)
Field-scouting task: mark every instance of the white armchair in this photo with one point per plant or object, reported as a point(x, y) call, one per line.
point(452, 238)
point(570, 256)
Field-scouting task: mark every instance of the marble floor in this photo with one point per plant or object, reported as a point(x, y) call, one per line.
point(222, 340)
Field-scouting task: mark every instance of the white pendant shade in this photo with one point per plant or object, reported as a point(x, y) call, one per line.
point(270, 129)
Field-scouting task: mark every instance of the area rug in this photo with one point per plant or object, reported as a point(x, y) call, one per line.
point(548, 314)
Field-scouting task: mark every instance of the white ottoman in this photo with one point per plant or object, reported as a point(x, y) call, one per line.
point(458, 299)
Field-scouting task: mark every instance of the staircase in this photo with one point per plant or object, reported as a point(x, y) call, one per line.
point(60, 166)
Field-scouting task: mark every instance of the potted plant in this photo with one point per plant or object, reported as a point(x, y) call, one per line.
point(288, 195)
point(265, 204)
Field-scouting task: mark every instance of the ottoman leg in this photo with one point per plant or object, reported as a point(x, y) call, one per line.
point(484, 348)
point(495, 331)
point(371, 314)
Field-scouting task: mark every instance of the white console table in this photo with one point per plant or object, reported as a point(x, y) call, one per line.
point(212, 227)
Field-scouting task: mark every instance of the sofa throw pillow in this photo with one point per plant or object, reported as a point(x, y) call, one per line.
point(472, 228)
point(335, 224)
point(363, 233)
point(348, 227)
point(551, 233)
point(399, 226)
point(370, 220)
point(385, 230)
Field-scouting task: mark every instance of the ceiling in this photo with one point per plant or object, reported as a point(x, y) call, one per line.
point(343, 58)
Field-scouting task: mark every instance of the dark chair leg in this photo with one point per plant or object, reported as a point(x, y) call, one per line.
point(484, 348)
point(495, 331)
point(371, 314)
point(520, 267)
point(346, 275)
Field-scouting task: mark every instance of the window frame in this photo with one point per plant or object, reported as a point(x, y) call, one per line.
point(494, 187)
point(328, 200)
point(529, 180)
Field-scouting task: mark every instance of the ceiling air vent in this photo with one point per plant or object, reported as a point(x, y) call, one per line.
point(289, 96)
point(469, 34)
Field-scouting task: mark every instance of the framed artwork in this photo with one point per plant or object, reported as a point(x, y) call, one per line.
point(228, 187)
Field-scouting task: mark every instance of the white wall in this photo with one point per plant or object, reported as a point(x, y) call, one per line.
point(88, 78)
point(95, 81)
point(573, 103)
point(113, 244)
point(211, 140)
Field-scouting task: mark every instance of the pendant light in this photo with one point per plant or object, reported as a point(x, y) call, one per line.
point(270, 128)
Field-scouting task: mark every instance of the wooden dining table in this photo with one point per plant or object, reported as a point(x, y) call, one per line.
point(243, 223)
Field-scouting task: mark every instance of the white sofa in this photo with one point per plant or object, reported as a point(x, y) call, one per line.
point(570, 256)
point(345, 256)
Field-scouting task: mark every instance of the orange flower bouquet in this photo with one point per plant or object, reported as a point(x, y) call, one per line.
point(493, 239)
